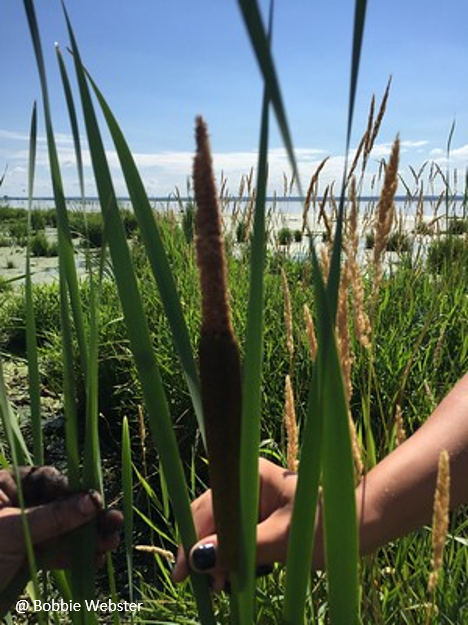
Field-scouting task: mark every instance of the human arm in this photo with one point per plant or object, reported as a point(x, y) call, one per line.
point(394, 498)
point(397, 495)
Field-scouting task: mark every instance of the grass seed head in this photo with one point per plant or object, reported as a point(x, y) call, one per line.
point(342, 332)
point(385, 210)
point(292, 431)
point(440, 517)
point(311, 336)
point(288, 320)
point(399, 426)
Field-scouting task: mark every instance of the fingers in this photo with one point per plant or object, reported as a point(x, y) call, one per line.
point(38, 484)
point(272, 540)
point(42, 485)
point(56, 552)
point(54, 519)
point(109, 524)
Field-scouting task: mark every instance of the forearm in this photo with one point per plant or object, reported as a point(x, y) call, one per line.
point(397, 495)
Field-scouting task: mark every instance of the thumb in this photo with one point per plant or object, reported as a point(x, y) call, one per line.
point(203, 555)
point(202, 558)
point(54, 519)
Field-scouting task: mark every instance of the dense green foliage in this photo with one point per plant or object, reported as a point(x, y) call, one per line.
point(419, 351)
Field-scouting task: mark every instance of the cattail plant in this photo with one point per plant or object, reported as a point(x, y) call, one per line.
point(220, 372)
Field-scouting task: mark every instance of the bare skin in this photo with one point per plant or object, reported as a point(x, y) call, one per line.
point(52, 512)
point(393, 499)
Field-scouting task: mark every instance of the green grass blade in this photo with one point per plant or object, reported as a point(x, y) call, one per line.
point(260, 43)
point(138, 332)
point(158, 259)
point(339, 504)
point(31, 339)
point(252, 385)
point(326, 446)
point(358, 35)
point(66, 251)
point(127, 490)
point(73, 120)
point(333, 284)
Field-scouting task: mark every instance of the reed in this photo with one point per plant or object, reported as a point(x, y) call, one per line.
point(220, 371)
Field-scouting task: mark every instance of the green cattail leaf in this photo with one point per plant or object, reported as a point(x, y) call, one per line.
point(73, 120)
point(31, 339)
point(67, 269)
point(158, 259)
point(327, 398)
point(333, 284)
point(252, 384)
point(260, 43)
point(138, 332)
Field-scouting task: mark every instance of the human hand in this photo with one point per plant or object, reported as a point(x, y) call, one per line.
point(52, 511)
point(277, 490)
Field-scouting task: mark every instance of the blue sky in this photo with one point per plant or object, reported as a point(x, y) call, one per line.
point(160, 63)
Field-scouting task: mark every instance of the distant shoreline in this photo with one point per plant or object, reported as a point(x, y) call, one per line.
point(233, 198)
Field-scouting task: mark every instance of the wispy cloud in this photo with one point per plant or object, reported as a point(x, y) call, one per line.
point(163, 171)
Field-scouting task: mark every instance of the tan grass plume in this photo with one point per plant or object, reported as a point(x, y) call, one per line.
point(288, 319)
point(342, 333)
point(292, 431)
point(311, 191)
point(440, 517)
point(400, 432)
point(385, 211)
point(310, 330)
point(362, 325)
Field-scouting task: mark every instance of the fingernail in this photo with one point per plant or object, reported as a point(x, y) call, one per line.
point(95, 498)
point(203, 557)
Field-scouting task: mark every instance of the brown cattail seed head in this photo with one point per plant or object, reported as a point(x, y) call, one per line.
point(209, 240)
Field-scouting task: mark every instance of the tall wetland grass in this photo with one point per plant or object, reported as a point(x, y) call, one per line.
point(368, 347)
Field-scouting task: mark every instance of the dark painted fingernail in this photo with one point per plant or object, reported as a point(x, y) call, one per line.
point(203, 557)
point(264, 569)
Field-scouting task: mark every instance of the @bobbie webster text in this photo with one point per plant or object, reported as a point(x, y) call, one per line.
point(88, 605)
